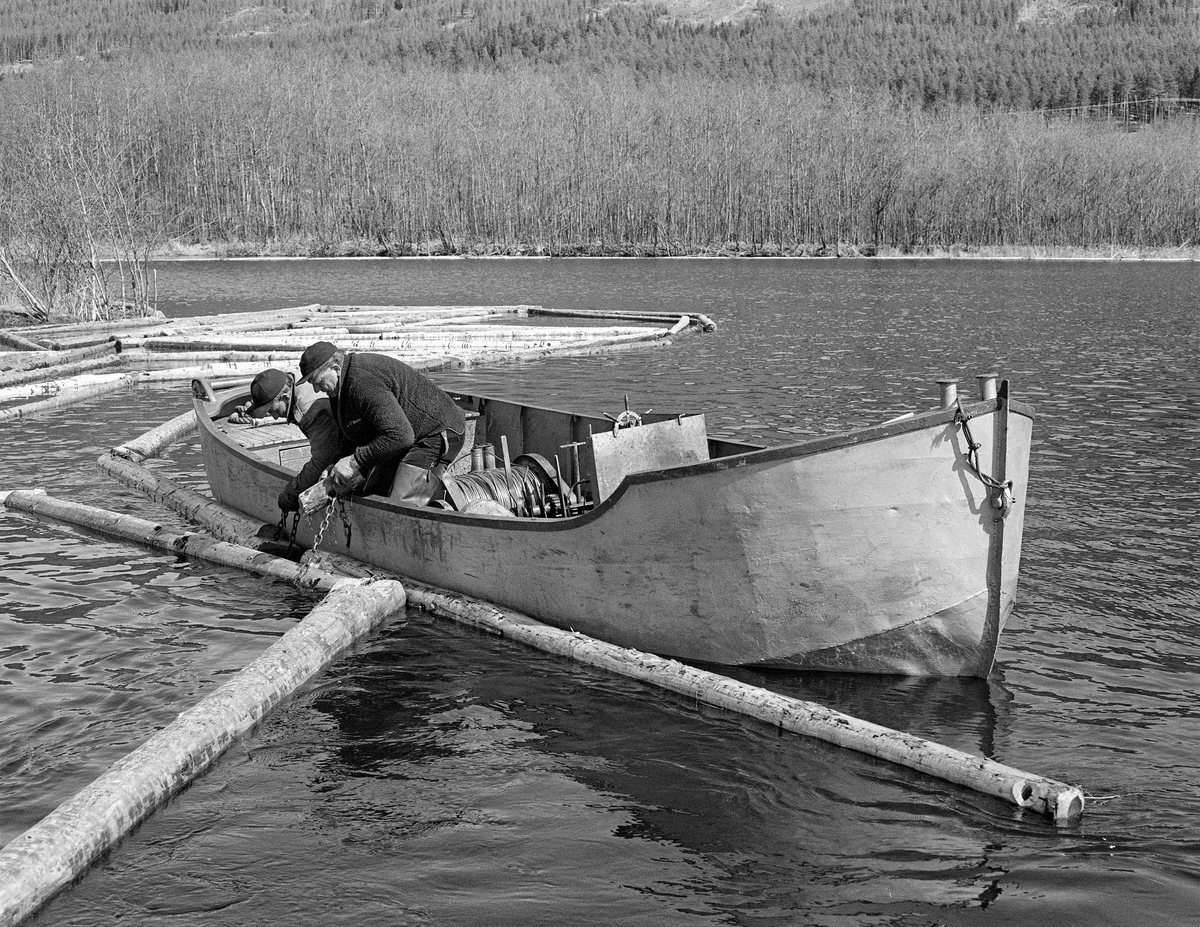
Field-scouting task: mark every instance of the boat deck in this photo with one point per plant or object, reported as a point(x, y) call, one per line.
point(281, 443)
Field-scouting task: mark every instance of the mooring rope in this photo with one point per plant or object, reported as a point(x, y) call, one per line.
point(1002, 492)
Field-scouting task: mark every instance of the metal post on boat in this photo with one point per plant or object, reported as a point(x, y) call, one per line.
point(949, 391)
point(489, 457)
point(987, 385)
point(507, 463)
point(476, 459)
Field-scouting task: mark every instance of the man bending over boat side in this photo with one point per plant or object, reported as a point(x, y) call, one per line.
point(313, 412)
point(405, 431)
point(276, 395)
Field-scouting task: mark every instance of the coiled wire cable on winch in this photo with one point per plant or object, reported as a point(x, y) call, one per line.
point(518, 490)
point(529, 488)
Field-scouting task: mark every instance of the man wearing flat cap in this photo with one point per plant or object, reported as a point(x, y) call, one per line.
point(275, 396)
point(404, 430)
point(270, 398)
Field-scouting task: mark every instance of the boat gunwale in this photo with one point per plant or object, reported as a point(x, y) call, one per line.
point(765, 455)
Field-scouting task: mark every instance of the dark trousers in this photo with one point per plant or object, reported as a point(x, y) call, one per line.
point(417, 476)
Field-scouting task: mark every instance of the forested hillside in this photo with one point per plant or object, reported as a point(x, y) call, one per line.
point(539, 127)
point(999, 54)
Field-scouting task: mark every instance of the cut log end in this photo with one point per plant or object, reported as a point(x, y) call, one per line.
point(1068, 806)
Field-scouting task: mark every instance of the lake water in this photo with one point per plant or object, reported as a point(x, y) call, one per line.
point(438, 776)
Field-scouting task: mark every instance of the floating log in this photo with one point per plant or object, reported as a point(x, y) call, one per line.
point(679, 326)
point(59, 371)
point(429, 312)
point(225, 524)
point(206, 361)
point(52, 358)
point(1037, 793)
point(18, 341)
point(665, 318)
point(461, 320)
point(244, 372)
point(150, 534)
point(66, 398)
point(320, 315)
point(80, 343)
point(152, 442)
point(53, 388)
point(65, 332)
point(1025, 790)
point(130, 331)
point(60, 847)
point(454, 331)
point(491, 340)
point(653, 338)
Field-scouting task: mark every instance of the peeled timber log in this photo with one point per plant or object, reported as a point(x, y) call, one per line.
point(58, 371)
point(151, 443)
point(60, 847)
point(1039, 794)
point(421, 340)
point(124, 464)
point(227, 525)
point(12, 339)
point(171, 367)
point(66, 398)
point(419, 313)
point(1046, 796)
point(623, 315)
point(140, 531)
point(55, 388)
point(653, 338)
point(65, 332)
point(419, 334)
point(53, 358)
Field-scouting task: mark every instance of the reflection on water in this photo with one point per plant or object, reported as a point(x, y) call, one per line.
point(440, 776)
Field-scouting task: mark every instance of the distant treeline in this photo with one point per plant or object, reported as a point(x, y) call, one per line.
point(993, 54)
point(300, 155)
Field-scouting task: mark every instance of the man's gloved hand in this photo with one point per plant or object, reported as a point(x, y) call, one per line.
point(288, 502)
point(346, 475)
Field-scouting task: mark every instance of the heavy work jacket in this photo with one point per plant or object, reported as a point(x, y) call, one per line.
point(326, 447)
point(384, 407)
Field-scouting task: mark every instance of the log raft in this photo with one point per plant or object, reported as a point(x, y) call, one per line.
point(156, 350)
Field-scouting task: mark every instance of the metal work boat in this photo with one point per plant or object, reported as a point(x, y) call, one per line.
point(888, 549)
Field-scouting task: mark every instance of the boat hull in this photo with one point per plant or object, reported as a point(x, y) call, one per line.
point(877, 551)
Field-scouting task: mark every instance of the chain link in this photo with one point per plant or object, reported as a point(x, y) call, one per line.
point(333, 501)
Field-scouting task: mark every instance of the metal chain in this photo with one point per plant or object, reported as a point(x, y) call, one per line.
point(333, 501)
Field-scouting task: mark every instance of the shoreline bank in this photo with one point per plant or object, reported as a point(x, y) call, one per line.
point(177, 251)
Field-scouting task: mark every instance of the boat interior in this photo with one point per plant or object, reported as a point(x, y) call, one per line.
point(520, 460)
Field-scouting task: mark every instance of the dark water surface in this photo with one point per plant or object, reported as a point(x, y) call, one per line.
point(438, 776)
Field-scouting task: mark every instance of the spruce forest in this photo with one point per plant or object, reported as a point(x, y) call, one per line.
point(581, 127)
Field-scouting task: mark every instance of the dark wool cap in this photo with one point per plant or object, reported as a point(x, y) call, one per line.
point(314, 357)
point(267, 385)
